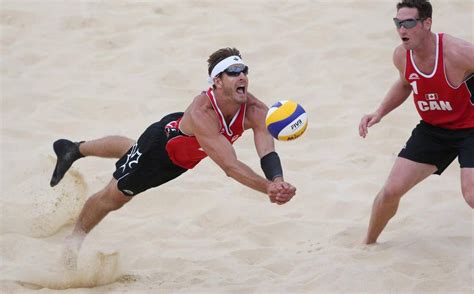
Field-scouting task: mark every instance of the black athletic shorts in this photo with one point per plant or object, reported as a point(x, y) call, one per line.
point(439, 146)
point(146, 164)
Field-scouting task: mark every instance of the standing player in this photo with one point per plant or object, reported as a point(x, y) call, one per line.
point(438, 69)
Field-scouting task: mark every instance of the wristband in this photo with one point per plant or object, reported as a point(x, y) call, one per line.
point(271, 166)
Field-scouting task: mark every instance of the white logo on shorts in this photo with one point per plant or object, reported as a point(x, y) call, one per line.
point(132, 157)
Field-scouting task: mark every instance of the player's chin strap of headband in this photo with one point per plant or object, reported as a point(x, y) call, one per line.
point(223, 65)
point(271, 166)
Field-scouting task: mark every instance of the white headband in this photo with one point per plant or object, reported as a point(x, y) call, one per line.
point(223, 65)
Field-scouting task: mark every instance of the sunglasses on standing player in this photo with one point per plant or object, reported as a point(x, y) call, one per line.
point(406, 23)
point(235, 70)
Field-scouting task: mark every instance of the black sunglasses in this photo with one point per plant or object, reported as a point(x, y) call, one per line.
point(406, 23)
point(235, 70)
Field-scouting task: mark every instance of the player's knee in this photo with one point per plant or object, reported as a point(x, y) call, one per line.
point(469, 197)
point(113, 199)
point(112, 202)
point(126, 143)
point(390, 194)
point(470, 201)
point(468, 193)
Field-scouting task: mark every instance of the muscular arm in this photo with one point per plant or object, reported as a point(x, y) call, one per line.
point(459, 59)
point(397, 94)
point(255, 120)
point(467, 53)
point(206, 129)
point(281, 191)
point(400, 90)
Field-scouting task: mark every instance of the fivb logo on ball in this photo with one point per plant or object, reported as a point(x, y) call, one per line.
point(286, 120)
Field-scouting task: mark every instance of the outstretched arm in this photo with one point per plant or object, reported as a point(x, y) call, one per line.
point(206, 129)
point(264, 143)
point(397, 94)
point(223, 154)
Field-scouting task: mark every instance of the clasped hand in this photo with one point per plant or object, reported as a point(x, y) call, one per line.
point(280, 192)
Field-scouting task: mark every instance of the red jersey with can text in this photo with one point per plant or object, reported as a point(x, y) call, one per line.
point(436, 100)
point(185, 151)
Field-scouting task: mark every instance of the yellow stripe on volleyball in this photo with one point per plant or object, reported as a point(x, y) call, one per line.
point(282, 112)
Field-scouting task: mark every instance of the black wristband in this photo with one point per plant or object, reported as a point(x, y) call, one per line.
point(271, 166)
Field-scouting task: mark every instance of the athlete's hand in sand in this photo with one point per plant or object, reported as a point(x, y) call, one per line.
point(280, 192)
point(367, 121)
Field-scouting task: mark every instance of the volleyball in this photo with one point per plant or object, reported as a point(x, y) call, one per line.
point(286, 120)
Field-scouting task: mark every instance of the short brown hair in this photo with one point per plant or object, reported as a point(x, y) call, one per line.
point(220, 55)
point(423, 6)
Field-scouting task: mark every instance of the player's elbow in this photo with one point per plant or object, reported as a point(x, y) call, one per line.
point(230, 169)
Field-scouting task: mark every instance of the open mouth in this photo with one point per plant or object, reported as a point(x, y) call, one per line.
point(405, 39)
point(241, 90)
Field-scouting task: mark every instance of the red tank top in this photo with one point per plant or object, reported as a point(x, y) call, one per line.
point(437, 102)
point(185, 151)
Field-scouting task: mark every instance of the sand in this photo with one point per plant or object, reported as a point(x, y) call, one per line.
point(86, 69)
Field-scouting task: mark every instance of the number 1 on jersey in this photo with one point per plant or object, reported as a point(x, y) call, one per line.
point(414, 87)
